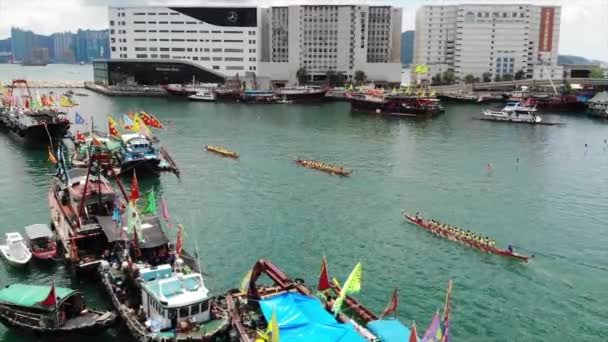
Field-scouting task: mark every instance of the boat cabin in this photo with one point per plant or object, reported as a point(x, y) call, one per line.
point(15, 243)
point(171, 299)
point(40, 240)
point(137, 143)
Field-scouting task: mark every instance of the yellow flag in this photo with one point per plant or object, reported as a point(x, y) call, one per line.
point(245, 282)
point(135, 127)
point(273, 328)
point(351, 285)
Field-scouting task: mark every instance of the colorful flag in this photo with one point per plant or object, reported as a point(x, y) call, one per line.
point(51, 298)
point(156, 123)
point(51, 156)
point(351, 285)
point(392, 305)
point(139, 125)
point(433, 333)
point(128, 122)
point(421, 69)
point(150, 120)
point(134, 189)
point(135, 127)
point(116, 213)
point(112, 127)
point(78, 119)
point(323, 286)
point(96, 141)
point(245, 282)
point(413, 334)
point(179, 244)
point(273, 327)
point(151, 207)
point(163, 207)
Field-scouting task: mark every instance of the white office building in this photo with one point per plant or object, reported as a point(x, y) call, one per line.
point(498, 39)
point(338, 38)
point(222, 39)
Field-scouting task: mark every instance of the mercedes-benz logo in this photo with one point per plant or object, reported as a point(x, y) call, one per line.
point(232, 16)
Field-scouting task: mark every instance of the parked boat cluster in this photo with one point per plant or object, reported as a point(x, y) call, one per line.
point(136, 249)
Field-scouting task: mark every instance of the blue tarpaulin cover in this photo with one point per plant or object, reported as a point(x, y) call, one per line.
point(303, 318)
point(389, 330)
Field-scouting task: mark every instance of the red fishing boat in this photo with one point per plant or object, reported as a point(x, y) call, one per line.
point(41, 241)
point(394, 105)
point(450, 235)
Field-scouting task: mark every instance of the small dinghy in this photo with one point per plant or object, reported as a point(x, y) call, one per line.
point(15, 251)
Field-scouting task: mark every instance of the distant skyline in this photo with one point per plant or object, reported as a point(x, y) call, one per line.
point(584, 26)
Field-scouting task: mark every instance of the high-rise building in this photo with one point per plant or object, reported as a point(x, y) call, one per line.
point(223, 40)
point(23, 44)
point(331, 38)
point(63, 47)
point(91, 44)
point(502, 40)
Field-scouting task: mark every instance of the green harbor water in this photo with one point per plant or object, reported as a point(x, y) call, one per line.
point(547, 195)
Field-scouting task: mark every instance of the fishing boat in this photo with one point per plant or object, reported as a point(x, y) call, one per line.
point(138, 152)
point(94, 143)
point(301, 315)
point(50, 311)
point(14, 251)
point(460, 98)
point(81, 204)
point(334, 170)
point(222, 151)
point(394, 105)
point(302, 93)
point(34, 123)
point(189, 89)
point(259, 96)
point(452, 236)
point(205, 95)
point(41, 241)
point(163, 303)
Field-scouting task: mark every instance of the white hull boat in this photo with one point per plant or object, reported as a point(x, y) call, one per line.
point(202, 96)
point(15, 252)
point(513, 112)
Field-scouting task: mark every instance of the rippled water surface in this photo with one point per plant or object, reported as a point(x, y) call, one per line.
point(551, 203)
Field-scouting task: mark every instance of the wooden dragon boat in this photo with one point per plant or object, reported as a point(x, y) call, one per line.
point(331, 169)
point(221, 151)
point(449, 235)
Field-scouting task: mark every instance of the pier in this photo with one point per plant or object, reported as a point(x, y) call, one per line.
point(53, 84)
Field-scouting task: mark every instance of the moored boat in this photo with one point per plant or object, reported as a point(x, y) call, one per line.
point(395, 105)
point(514, 112)
point(452, 235)
point(259, 96)
point(222, 151)
point(41, 241)
point(14, 251)
point(313, 164)
point(138, 152)
point(203, 96)
point(50, 310)
point(302, 93)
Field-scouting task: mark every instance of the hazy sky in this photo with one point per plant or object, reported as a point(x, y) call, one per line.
point(584, 25)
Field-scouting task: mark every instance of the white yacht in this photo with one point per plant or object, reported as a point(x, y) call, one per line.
point(513, 112)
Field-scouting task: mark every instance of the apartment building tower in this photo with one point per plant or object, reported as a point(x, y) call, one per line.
point(338, 38)
point(501, 40)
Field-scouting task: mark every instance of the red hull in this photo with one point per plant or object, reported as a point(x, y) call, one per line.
point(492, 250)
point(46, 254)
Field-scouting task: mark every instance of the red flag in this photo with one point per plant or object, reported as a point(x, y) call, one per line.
point(323, 278)
point(413, 334)
point(163, 206)
point(80, 137)
point(96, 142)
point(156, 123)
point(134, 188)
point(27, 103)
point(178, 241)
point(392, 305)
point(51, 299)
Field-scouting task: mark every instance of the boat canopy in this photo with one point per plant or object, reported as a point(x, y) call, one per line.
point(389, 330)
point(30, 295)
point(37, 231)
point(303, 318)
point(151, 235)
